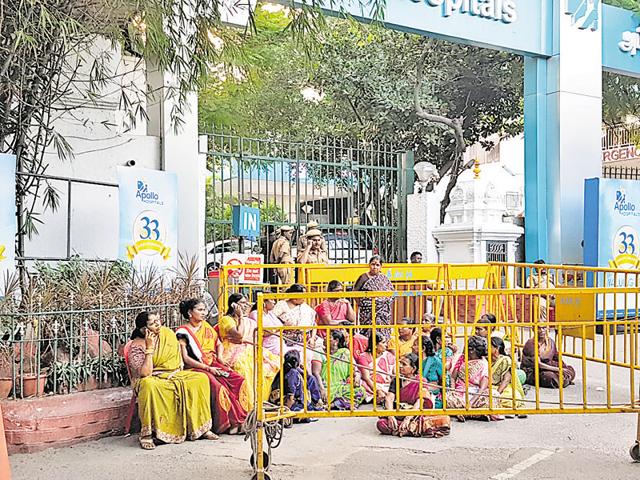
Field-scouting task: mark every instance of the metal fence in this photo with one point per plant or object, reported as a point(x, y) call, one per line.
point(65, 188)
point(356, 192)
point(621, 173)
point(58, 352)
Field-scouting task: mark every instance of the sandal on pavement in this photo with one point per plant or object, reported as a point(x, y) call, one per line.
point(210, 436)
point(147, 443)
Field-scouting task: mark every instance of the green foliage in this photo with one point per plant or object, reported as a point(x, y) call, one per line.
point(628, 4)
point(366, 76)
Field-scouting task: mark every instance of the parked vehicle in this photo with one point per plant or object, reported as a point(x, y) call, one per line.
point(218, 252)
point(344, 248)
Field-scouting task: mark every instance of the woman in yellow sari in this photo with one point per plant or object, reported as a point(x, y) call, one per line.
point(236, 348)
point(173, 404)
point(502, 381)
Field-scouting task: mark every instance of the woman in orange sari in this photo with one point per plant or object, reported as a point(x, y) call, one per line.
point(229, 391)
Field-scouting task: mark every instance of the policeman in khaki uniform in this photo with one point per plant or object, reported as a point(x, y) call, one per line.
point(281, 254)
point(303, 240)
point(313, 252)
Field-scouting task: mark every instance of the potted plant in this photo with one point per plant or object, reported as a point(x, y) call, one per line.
point(6, 378)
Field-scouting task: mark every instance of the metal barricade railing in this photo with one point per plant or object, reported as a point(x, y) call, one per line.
point(606, 382)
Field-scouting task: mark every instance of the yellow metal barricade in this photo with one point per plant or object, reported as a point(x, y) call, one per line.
point(564, 347)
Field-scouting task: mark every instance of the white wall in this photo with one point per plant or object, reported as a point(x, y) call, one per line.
point(102, 139)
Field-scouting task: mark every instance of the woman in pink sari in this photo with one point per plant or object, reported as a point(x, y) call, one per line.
point(295, 312)
point(335, 311)
point(478, 373)
point(237, 346)
point(385, 369)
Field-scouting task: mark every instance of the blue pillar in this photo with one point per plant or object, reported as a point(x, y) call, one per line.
point(535, 157)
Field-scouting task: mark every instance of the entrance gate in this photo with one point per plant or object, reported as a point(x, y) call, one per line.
point(356, 192)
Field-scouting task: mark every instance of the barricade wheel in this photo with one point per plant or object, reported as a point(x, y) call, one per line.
point(635, 452)
point(255, 477)
point(265, 460)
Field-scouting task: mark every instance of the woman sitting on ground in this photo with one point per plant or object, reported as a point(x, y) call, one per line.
point(406, 338)
point(375, 281)
point(339, 369)
point(271, 340)
point(506, 386)
point(485, 329)
point(477, 369)
point(173, 404)
point(295, 312)
point(198, 340)
point(432, 369)
point(548, 364)
point(416, 426)
point(236, 348)
point(385, 368)
point(335, 311)
point(293, 386)
point(436, 338)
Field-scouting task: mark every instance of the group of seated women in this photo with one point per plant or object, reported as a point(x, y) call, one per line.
point(200, 381)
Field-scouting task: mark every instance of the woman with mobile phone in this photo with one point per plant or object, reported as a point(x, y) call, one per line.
point(229, 391)
point(173, 404)
point(236, 331)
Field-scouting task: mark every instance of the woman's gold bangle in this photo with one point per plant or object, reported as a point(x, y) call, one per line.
point(148, 352)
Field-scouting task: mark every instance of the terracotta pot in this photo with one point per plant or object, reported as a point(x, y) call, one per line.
point(6, 384)
point(30, 384)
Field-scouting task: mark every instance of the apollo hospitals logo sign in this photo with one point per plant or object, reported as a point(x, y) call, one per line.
point(499, 10)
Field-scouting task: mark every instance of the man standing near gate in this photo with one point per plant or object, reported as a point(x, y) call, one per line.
point(281, 254)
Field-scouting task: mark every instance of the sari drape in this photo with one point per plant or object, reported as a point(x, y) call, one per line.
point(229, 395)
point(420, 425)
point(241, 357)
point(548, 354)
point(385, 369)
point(500, 368)
point(379, 283)
point(173, 404)
point(339, 387)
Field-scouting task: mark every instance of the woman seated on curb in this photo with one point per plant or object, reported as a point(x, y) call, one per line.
point(436, 338)
point(415, 426)
point(173, 404)
point(339, 366)
point(295, 312)
point(406, 337)
point(506, 386)
point(198, 341)
point(385, 368)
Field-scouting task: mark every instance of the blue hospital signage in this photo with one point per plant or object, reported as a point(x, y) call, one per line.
point(612, 237)
point(148, 218)
point(246, 221)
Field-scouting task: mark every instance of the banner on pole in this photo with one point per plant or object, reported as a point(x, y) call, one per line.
point(148, 218)
point(7, 215)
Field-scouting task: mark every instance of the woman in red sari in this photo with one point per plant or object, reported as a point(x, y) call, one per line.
point(229, 395)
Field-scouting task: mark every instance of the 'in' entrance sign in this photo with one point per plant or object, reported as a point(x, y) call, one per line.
point(246, 221)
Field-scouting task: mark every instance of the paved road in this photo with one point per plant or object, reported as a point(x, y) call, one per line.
point(568, 447)
point(580, 447)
